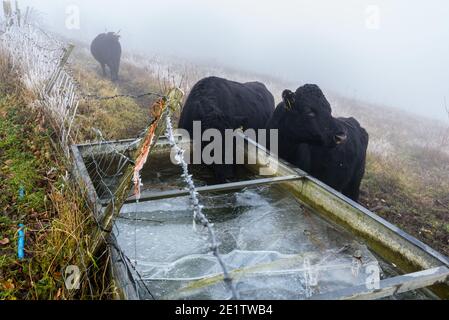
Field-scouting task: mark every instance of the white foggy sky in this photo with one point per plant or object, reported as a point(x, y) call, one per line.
point(405, 63)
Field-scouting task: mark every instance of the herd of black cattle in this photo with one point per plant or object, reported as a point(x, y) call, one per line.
point(331, 149)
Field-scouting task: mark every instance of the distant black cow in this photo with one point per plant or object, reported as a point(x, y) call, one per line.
point(107, 51)
point(222, 104)
point(331, 149)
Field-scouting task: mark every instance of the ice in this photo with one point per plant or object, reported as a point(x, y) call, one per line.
point(273, 247)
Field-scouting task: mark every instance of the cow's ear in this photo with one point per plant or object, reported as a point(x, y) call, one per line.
point(289, 99)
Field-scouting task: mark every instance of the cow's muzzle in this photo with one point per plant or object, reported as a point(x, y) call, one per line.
point(340, 138)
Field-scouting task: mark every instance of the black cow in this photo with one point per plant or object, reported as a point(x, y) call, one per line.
point(107, 50)
point(223, 104)
point(331, 149)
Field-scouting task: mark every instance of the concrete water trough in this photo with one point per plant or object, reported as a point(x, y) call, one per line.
point(284, 235)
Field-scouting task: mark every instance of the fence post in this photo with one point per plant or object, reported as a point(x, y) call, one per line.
point(51, 83)
point(18, 13)
point(155, 129)
point(7, 11)
point(25, 18)
point(7, 8)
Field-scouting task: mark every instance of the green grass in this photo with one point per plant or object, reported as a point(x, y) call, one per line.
point(20, 168)
point(53, 210)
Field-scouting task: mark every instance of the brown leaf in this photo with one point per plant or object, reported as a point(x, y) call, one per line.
point(58, 294)
point(4, 242)
point(8, 285)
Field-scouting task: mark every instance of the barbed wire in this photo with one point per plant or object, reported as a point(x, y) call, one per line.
point(39, 46)
point(131, 96)
point(99, 164)
point(127, 262)
point(47, 34)
point(91, 96)
point(198, 214)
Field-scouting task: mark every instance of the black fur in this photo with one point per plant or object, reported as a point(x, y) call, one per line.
point(331, 149)
point(107, 50)
point(223, 104)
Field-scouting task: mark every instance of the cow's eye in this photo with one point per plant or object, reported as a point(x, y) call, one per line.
point(311, 114)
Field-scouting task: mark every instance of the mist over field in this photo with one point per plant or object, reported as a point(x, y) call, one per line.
point(388, 52)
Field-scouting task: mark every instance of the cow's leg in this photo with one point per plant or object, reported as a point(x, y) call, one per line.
point(352, 190)
point(115, 70)
point(114, 76)
point(223, 173)
point(103, 67)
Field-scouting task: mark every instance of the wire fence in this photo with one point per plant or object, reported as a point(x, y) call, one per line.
point(39, 57)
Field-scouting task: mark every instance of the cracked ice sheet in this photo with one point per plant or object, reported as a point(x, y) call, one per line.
point(275, 249)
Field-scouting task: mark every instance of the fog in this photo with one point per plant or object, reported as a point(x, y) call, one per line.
point(393, 52)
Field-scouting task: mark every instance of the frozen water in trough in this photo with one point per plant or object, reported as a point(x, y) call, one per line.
point(273, 247)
